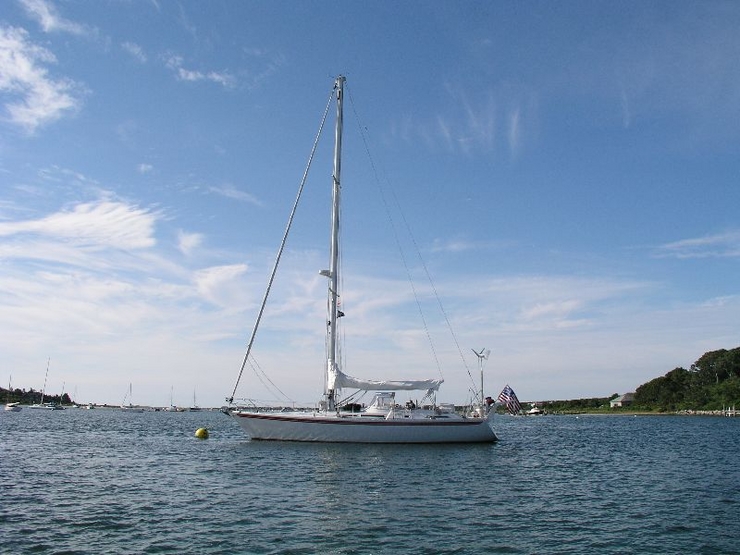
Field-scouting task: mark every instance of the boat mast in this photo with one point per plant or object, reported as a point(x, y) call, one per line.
point(331, 361)
point(43, 391)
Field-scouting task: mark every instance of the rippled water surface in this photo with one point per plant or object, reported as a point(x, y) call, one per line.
point(105, 481)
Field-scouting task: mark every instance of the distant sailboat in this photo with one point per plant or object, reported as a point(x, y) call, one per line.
point(195, 405)
point(11, 407)
point(42, 405)
point(172, 407)
point(130, 407)
point(59, 406)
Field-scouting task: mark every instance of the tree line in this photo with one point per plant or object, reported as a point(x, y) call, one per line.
point(32, 397)
point(711, 383)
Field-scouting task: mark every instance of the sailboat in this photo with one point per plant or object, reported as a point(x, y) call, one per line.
point(130, 407)
point(41, 404)
point(195, 406)
point(11, 406)
point(337, 420)
point(172, 407)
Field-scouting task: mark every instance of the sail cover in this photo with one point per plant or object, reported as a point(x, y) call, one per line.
point(338, 380)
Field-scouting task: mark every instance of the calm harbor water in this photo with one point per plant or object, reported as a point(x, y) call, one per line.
point(105, 481)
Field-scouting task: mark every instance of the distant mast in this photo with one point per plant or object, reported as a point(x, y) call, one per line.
point(43, 391)
point(332, 364)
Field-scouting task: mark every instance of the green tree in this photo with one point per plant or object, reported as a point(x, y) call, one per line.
point(711, 383)
point(664, 393)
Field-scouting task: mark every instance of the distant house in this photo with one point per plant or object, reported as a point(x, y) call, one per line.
point(622, 401)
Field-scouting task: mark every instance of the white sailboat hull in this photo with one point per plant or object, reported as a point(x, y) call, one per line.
point(330, 428)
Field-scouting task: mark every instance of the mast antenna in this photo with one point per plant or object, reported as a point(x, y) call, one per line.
point(483, 355)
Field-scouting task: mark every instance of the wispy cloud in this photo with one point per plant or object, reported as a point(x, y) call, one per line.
point(560, 314)
point(229, 191)
point(93, 225)
point(188, 242)
point(175, 63)
point(72, 178)
point(540, 329)
point(35, 98)
point(722, 245)
point(214, 283)
point(466, 245)
point(135, 50)
point(541, 303)
point(124, 300)
point(45, 13)
point(112, 246)
point(474, 126)
point(270, 65)
point(260, 64)
point(514, 134)
point(494, 120)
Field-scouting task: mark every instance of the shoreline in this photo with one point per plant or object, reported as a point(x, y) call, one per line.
point(722, 413)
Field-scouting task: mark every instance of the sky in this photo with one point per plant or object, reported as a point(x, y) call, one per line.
point(568, 171)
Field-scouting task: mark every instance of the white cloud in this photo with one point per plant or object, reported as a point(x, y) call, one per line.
point(471, 127)
point(255, 79)
point(145, 168)
point(557, 309)
point(188, 242)
point(474, 125)
point(464, 245)
point(36, 99)
point(223, 78)
point(215, 284)
point(445, 132)
point(545, 333)
point(89, 285)
point(514, 131)
point(722, 245)
point(46, 15)
point(135, 50)
point(453, 245)
point(229, 191)
point(64, 176)
point(104, 328)
point(94, 225)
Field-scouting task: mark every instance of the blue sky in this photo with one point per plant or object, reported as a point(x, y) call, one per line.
point(569, 172)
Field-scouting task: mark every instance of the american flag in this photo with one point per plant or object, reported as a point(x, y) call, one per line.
point(508, 397)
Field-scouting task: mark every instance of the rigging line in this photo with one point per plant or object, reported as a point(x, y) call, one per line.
point(282, 245)
point(423, 264)
point(340, 331)
point(418, 252)
point(262, 376)
point(396, 237)
point(436, 295)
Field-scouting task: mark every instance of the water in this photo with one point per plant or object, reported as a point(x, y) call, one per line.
point(104, 481)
